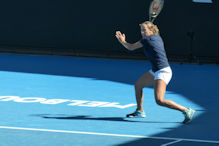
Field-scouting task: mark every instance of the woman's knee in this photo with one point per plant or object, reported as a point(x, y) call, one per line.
point(138, 86)
point(160, 102)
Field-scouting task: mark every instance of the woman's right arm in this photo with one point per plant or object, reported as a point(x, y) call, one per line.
point(122, 39)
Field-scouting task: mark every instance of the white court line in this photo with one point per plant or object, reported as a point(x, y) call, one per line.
point(171, 142)
point(106, 134)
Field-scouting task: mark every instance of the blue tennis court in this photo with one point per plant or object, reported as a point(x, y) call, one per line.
point(50, 100)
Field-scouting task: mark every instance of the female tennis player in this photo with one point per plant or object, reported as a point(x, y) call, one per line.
point(159, 75)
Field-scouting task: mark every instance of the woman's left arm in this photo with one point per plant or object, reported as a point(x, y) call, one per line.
point(122, 39)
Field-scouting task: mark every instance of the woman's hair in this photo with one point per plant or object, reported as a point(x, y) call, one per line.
point(152, 27)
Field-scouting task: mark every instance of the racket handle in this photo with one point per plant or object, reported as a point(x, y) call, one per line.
point(152, 20)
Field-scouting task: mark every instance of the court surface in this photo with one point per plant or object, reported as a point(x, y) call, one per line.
point(49, 100)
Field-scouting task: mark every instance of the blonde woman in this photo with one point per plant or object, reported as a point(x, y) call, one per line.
point(159, 75)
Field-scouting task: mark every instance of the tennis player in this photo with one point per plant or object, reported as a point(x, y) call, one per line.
point(160, 74)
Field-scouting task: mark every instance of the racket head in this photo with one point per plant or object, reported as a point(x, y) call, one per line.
point(155, 8)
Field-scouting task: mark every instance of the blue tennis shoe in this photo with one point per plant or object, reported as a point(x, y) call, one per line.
point(137, 114)
point(188, 115)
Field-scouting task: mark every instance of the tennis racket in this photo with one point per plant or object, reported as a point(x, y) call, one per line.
point(155, 9)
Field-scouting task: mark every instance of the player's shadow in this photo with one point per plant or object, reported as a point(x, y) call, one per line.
point(85, 117)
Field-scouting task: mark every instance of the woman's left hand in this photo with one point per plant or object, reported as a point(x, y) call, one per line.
point(121, 37)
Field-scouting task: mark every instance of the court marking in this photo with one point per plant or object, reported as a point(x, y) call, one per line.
point(109, 134)
point(171, 142)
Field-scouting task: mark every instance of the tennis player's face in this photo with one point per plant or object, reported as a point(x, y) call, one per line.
point(145, 31)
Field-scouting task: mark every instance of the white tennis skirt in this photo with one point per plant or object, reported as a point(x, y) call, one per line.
point(164, 74)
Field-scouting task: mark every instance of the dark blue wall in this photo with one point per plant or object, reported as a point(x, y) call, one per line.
point(89, 26)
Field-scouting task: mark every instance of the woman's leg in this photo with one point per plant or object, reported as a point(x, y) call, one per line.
point(145, 80)
point(159, 92)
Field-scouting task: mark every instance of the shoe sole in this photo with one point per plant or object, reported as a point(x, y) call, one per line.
point(135, 116)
